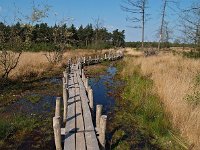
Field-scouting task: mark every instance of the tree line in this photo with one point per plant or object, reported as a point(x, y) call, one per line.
point(42, 37)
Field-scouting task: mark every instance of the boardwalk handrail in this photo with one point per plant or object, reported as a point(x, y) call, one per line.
point(78, 108)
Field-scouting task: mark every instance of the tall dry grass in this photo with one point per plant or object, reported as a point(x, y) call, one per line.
point(174, 79)
point(35, 63)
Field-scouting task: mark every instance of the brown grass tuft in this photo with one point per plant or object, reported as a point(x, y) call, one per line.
point(174, 80)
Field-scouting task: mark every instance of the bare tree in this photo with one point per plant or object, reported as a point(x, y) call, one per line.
point(38, 12)
point(137, 9)
point(162, 22)
point(98, 24)
point(61, 39)
point(190, 21)
point(9, 59)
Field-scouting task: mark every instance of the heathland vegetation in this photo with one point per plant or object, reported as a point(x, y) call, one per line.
point(157, 106)
point(176, 82)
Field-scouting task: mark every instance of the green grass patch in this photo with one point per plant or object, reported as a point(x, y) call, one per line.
point(9, 126)
point(34, 98)
point(96, 69)
point(192, 54)
point(140, 121)
point(194, 97)
point(19, 130)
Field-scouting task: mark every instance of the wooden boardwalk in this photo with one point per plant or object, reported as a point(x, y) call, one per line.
point(79, 131)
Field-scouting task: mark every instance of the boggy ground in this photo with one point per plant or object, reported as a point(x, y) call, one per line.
point(27, 101)
point(26, 113)
point(160, 100)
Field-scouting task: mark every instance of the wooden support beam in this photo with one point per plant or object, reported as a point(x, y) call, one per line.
point(102, 133)
point(57, 132)
point(86, 84)
point(65, 96)
point(57, 110)
point(98, 115)
point(84, 60)
point(82, 75)
point(90, 97)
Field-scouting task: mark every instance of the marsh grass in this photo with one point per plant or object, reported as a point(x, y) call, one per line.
point(34, 98)
point(95, 70)
point(9, 126)
point(20, 131)
point(175, 78)
point(140, 117)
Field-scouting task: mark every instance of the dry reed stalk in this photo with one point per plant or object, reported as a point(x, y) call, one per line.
point(173, 77)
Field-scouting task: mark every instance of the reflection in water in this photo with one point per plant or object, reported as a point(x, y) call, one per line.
point(45, 105)
point(101, 89)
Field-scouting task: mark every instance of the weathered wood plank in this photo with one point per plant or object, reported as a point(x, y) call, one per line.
point(91, 139)
point(80, 138)
point(70, 127)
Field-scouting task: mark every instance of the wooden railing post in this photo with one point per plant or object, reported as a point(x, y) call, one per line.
point(80, 69)
point(89, 61)
point(90, 97)
point(69, 65)
point(84, 60)
point(83, 76)
point(98, 116)
point(65, 75)
point(86, 84)
point(65, 96)
point(105, 57)
point(102, 133)
point(57, 110)
point(57, 132)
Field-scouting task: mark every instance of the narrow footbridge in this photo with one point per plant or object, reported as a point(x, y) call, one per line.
point(75, 130)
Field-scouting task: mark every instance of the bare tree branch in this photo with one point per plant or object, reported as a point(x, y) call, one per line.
point(137, 10)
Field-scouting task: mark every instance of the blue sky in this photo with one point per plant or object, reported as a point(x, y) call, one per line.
point(86, 11)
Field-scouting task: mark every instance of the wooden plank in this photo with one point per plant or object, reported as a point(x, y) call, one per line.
point(80, 138)
point(90, 136)
point(70, 127)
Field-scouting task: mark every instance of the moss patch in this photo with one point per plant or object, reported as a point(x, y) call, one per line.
point(95, 70)
point(33, 98)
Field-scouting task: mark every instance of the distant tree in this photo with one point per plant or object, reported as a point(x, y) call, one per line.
point(89, 34)
point(118, 38)
point(162, 22)
point(190, 23)
point(138, 11)
point(74, 36)
point(164, 25)
point(98, 25)
point(81, 36)
point(61, 40)
point(166, 34)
